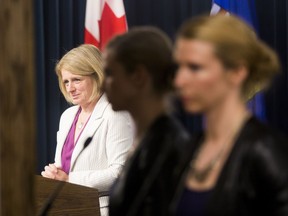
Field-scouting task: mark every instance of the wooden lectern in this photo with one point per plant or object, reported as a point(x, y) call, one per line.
point(72, 199)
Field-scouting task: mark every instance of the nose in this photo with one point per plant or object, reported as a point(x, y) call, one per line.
point(180, 78)
point(70, 87)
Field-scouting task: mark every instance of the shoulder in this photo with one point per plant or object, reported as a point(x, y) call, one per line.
point(265, 150)
point(167, 133)
point(112, 116)
point(261, 136)
point(265, 164)
point(103, 109)
point(120, 121)
point(69, 112)
point(167, 124)
point(67, 116)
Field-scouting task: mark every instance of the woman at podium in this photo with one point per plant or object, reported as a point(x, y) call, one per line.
point(93, 140)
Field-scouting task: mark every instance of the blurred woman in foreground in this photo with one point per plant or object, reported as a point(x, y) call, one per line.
point(238, 166)
point(139, 74)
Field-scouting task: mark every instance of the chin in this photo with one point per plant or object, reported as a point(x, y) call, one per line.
point(75, 103)
point(114, 105)
point(115, 108)
point(194, 109)
point(119, 106)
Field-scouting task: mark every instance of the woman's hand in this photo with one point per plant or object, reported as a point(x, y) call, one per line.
point(52, 172)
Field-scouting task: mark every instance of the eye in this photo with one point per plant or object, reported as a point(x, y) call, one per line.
point(77, 80)
point(195, 67)
point(65, 82)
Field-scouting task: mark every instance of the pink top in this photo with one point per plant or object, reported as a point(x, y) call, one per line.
point(69, 145)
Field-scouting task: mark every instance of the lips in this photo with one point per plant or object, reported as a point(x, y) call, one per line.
point(75, 96)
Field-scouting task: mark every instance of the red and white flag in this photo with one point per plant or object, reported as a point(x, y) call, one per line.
point(103, 20)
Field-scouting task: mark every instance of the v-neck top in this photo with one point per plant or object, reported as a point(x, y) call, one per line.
point(69, 144)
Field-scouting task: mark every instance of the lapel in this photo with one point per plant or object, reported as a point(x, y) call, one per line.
point(91, 127)
point(64, 130)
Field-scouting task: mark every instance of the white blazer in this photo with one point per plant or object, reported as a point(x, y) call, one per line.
point(99, 164)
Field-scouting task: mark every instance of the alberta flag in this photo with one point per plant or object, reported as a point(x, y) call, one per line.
point(103, 20)
point(247, 11)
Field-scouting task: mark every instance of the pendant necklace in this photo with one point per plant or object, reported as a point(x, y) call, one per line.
point(201, 175)
point(80, 125)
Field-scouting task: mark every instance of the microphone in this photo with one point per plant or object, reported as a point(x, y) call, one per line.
point(47, 205)
point(86, 143)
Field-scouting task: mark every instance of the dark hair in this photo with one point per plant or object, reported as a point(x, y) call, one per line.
point(148, 47)
point(235, 44)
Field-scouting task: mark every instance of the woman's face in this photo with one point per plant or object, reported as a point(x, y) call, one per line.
point(201, 79)
point(118, 84)
point(80, 88)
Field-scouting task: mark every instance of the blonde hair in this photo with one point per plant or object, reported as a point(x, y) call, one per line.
point(84, 60)
point(235, 44)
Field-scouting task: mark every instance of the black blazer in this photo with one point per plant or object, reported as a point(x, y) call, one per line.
point(254, 179)
point(150, 177)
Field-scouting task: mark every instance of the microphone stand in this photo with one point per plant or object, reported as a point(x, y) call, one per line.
point(47, 205)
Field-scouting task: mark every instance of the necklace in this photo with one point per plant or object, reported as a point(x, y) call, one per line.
point(82, 121)
point(80, 125)
point(201, 175)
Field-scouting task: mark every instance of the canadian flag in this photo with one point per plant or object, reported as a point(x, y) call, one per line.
point(103, 20)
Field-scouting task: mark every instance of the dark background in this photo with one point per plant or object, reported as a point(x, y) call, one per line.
point(60, 26)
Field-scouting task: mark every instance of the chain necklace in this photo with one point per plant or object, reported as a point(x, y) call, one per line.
point(201, 175)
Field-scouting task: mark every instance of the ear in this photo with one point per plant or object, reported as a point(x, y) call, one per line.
point(238, 75)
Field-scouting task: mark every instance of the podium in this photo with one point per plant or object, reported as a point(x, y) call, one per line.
point(71, 199)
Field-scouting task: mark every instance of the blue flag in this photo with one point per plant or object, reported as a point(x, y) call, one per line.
point(242, 8)
point(247, 11)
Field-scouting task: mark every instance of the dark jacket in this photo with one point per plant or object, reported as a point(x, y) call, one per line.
point(150, 177)
point(254, 179)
